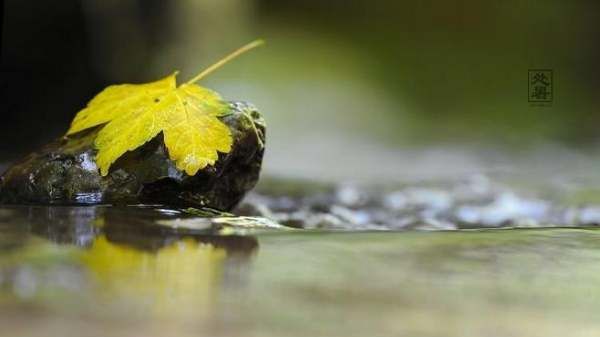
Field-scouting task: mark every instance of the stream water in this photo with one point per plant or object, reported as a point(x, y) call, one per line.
point(425, 271)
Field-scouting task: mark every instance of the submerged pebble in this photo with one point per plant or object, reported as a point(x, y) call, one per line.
point(476, 202)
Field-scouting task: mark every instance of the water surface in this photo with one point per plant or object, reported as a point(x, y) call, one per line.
point(98, 271)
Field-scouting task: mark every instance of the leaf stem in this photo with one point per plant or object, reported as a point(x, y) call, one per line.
point(221, 62)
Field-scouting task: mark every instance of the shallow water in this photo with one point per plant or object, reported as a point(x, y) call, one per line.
point(98, 271)
point(475, 201)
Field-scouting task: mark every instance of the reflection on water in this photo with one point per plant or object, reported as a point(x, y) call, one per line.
point(179, 277)
point(117, 259)
point(99, 271)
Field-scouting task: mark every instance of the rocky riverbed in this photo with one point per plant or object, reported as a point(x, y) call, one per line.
point(476, 201)
point(474, 256)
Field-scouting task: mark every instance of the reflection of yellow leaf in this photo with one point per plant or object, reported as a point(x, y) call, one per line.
point(177, 279)
point(187, 115)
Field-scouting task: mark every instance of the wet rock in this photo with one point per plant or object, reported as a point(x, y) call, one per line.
point(351, 196)
point(507, 208)
point(65, 172)
point(355, 217)
point(325, 221)
point(253, 205)
point(430, 224)
point(418, 198)
point(590, 215)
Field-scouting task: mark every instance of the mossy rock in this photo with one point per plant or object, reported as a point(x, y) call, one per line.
point(65, 171)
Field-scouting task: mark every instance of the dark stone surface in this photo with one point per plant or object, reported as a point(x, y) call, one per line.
point(65, 172)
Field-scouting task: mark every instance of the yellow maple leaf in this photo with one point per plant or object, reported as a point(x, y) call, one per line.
point(187, 115)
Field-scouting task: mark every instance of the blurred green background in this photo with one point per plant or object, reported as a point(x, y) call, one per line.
point(341, 83)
